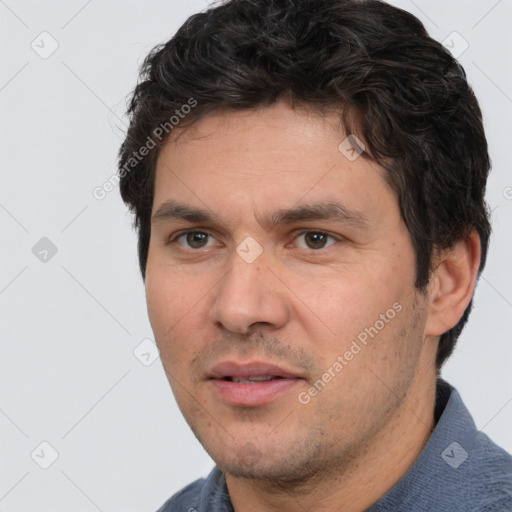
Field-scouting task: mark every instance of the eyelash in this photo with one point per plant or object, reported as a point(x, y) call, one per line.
point(174, 239)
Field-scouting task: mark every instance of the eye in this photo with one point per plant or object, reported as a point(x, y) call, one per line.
point(194, 240)
point(315, 240)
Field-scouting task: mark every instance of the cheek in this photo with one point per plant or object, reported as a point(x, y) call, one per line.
point(344, 303)
point(161, 298)
point(173, 306)
point(170, 292)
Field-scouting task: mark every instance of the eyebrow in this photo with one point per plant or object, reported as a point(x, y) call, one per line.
point(319, 211)
point(172, 210)
point(331, 211)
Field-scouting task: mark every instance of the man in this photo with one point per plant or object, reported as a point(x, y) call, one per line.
point(308, 181)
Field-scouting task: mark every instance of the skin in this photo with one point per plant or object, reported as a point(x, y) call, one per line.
point(298, 307)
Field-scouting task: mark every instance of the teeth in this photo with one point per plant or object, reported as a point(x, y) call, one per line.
point(259, 378)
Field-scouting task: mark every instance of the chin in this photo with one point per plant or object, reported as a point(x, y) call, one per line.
point(285, 466)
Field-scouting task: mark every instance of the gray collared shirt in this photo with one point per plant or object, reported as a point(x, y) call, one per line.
point(460, 469)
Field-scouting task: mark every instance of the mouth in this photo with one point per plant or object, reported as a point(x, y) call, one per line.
point(255, 378)
point(251, 384)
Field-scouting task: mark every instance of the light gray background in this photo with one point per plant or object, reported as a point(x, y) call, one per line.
point(69, 326)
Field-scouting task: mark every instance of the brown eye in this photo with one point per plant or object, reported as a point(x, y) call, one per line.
point(197, 240)
point(315, 240)
point(194, 240)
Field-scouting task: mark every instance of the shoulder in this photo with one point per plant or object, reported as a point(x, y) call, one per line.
point(185, 500)
point(204, 495)
point(504, 505)
point(477, 472)
point(489, 475)
point(460, 468)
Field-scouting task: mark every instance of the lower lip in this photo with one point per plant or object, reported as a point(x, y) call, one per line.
point(252, 394)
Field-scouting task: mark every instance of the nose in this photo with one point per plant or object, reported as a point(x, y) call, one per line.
point(248, 297)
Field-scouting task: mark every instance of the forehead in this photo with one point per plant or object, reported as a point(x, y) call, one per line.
point(270, 158)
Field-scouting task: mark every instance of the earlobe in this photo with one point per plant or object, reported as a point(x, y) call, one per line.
point(452, 284)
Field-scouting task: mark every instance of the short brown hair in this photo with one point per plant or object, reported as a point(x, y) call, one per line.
point(419, 118)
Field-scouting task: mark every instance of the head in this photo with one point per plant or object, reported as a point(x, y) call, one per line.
point(238, 129)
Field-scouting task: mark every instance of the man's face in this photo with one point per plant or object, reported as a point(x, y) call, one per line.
point(320, 299)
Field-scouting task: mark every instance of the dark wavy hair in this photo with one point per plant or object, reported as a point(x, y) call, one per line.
point(374, 63)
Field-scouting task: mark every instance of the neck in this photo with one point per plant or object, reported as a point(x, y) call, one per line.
point(370, 474)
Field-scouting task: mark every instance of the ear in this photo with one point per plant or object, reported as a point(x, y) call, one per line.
point(452, 284)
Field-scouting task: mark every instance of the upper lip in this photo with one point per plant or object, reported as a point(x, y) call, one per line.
point(251, 369)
